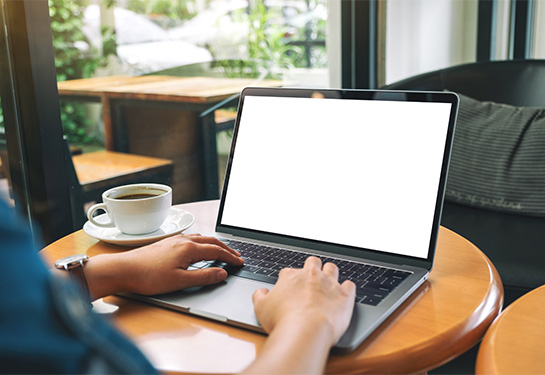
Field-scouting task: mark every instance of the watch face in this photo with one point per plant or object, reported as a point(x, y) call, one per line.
point(71, 261)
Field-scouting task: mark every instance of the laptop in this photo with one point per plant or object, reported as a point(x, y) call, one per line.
point(355, 177)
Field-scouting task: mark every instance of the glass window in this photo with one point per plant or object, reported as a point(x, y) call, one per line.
point(160, 78)
point(426, 35)
point(539, 30)
point(284, 37)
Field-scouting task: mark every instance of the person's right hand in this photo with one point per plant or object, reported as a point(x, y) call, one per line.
point(160, 267)
point(310, 295)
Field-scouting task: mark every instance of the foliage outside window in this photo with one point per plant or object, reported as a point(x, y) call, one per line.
point(271, 47)
point(166, 13)
point(71, 63)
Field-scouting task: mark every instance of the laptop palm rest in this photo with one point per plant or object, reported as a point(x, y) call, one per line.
point(228, 302)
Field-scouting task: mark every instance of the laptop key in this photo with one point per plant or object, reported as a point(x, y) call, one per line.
point(402, 274)
point(277, 267)
point(381, 287)
point(372, 270)
point(287, 254)
point(360, 276)
point(345, 274)
point(377, 279)
point(252, 262)
point(300, 257)
point(285, 262)
point(264, 271)
point(361, 268)
point(364, 292)
point(259, 255)
point(391, 273)
point(272, 258)
point(359, 283)
point(249, 268)
point(393, 282)
point(256, 276)
point(370, 301)
point(266, 264)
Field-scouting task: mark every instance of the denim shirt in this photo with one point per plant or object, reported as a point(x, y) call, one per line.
point(45, 324)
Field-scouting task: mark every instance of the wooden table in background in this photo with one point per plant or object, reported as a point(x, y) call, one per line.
point(515, 342)
point(162, 116)
point(100, 170)
point(445, 317)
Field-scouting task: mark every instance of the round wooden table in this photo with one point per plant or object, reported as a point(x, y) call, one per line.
point(445, 317)
point(514, 343)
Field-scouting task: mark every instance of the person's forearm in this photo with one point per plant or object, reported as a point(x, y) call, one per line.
point(103, 273)
point(298, 347)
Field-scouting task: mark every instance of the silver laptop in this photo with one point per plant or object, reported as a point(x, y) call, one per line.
point(355, 177)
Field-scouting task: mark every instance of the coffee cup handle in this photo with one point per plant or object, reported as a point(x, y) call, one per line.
point(91, 211)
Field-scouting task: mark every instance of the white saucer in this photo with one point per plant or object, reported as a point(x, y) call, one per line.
point(177, 221)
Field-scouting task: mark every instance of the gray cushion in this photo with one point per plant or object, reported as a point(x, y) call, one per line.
point(498, 158)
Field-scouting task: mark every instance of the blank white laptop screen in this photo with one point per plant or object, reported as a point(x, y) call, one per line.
point(340, 171)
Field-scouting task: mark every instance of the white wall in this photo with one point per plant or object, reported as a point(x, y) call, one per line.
point(539, 30)
point(333, 43)
point(503, 21)
point(425, 35)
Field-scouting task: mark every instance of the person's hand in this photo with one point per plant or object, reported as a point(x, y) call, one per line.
point(305, 313)
point(160, 267)
point(310, 295)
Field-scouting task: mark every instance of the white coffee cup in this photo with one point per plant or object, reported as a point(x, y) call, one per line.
point(134, 209)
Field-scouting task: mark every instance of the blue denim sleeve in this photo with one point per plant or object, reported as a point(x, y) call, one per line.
point(46, 327)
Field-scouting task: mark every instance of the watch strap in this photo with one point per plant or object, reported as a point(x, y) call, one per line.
point(78, 276)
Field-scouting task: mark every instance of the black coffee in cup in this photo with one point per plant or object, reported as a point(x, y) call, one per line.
point(137, 196)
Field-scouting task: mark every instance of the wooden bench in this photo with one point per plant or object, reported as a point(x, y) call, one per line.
point(100, 169)
point(225, 119)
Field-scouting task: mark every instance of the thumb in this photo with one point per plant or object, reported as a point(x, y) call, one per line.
point(206, 276)
point(259, 295)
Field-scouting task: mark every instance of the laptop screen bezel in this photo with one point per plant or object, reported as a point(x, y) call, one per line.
point(397, 95)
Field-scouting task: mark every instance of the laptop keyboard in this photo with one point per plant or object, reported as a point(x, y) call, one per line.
point(263, 263)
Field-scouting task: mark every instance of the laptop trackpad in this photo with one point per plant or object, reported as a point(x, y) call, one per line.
point(228, 301)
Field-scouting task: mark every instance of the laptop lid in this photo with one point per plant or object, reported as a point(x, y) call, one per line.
point(304, 160)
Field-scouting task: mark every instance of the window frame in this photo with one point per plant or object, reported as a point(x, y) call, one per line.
point(32, 121)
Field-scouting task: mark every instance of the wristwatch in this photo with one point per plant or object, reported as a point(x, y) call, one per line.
point(74, 265)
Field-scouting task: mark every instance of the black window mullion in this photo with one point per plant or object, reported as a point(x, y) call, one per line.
point(359, 30)
point(19, 183)
point(346, 44)
point(486, 30)
point(522, 12)
point(33, 124)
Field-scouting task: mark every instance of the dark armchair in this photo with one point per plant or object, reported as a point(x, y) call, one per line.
point(513, 237)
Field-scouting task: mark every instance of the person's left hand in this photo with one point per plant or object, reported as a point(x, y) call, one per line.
point(160, 267)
